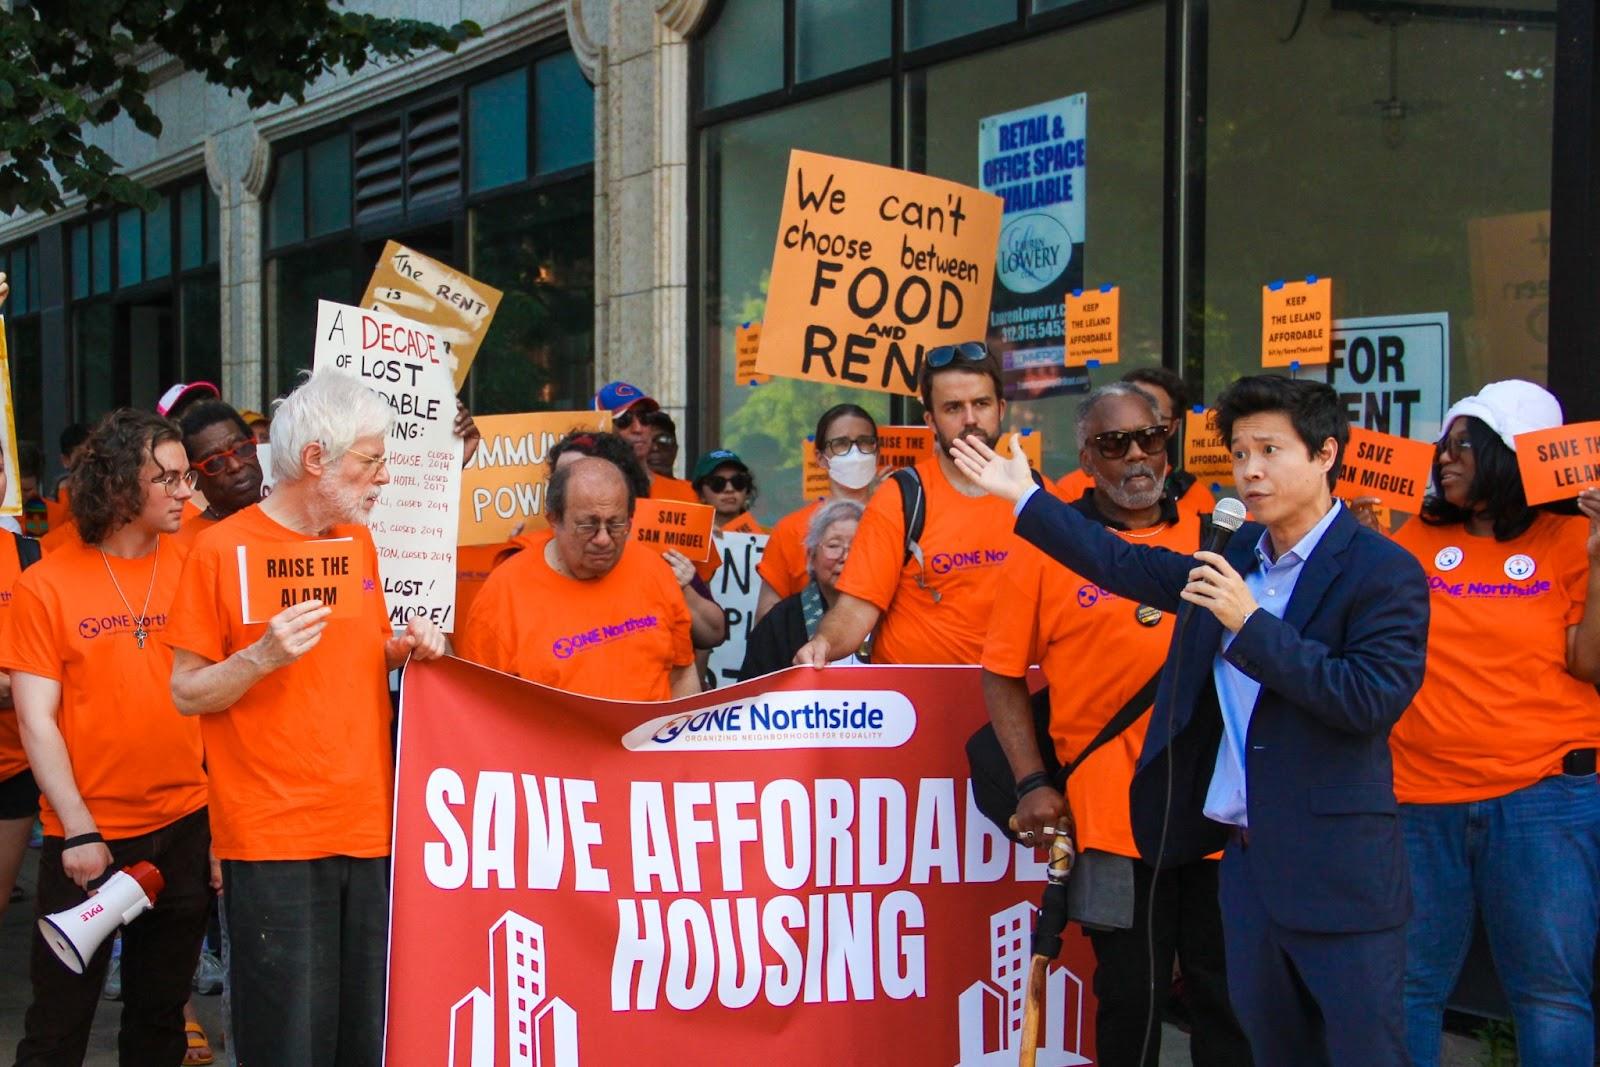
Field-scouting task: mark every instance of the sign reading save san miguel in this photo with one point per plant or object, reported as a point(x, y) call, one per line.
point(790, 869)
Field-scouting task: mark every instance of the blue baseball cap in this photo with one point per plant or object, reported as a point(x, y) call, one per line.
point(617, 397)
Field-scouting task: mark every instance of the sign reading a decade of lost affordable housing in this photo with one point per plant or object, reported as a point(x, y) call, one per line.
point(414, 521)
point(1034, 160)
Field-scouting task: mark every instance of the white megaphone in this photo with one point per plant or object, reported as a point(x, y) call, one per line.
point(76, 933)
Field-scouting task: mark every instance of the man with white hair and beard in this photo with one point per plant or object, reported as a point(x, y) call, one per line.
point(296, 719)
point(1101, 655)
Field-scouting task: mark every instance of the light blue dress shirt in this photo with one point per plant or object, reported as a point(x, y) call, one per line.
point(1270, 584)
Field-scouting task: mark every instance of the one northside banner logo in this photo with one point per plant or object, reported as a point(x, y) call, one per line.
point(753, 879)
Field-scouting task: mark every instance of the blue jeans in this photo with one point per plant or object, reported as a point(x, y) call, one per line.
point(1530, 861)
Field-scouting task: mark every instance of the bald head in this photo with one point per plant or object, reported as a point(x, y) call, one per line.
point(590, 505)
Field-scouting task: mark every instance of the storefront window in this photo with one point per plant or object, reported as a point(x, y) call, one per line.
point(565, 122)
point(295, 282)
point(497, 131)
point(932, 21)
point(743, 51)
point(835, 35)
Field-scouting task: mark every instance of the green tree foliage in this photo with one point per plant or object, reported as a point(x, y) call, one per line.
point(68, 65)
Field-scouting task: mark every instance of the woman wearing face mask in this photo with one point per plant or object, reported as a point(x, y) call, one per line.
point(847, 448)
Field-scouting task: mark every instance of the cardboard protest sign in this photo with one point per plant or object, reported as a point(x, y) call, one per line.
point(1392, 372)
point(872, 267)
point(1205, 454)
point(1035, 159)
point(458, 308)
point(414, 522)
point(1094, 323)
point(504, 483)
point(793, 863)
point(11, 503)
point(1560, 462)
point(736, 587)
point(664, 524)
point(1296, 322)
point(1393, 469)
point(291, 572)
point(746, 347)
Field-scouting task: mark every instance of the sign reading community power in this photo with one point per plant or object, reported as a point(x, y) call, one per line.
point(874, 266)
point(793, 863)
point(503, 487)
point(414, 521)
point(1034, 159)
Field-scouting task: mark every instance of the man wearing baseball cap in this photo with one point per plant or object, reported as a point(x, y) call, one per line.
point(628, 405)
point(176, 400)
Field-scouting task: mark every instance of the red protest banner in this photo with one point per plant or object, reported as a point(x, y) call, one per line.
point(790, 863)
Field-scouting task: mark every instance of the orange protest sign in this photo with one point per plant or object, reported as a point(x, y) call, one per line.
point(872, 267)
point(1297, 322)
point(1093, 326)
point(746, 344)
point(504, 484)
point(1205, 454)
point(1393, 469)
point(295, 571)
point(664, 524)
point(1558, 463)
point(459, 308)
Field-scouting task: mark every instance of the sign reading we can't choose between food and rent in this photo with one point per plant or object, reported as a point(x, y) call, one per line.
point(414, 521)
point(873, 266)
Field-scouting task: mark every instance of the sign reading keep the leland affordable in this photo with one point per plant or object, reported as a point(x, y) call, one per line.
point(504, 484)
point(794, 863)
point(414, 521)
point(458, 308)
point(872, 267)
point(1205, 454)
point(1297, 322)
point(1094, 326)
point(1559, 463)
point(746, 347)
point(1035, 160)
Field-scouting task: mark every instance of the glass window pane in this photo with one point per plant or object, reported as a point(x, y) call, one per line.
point(565, 122)
point(1052, 5)
point(931, 21)
point(158, 240)
point(130, 247)
point(22, 347)
point(213, 212)
point(835, 35)
point(17, 277)
point(1117, 63)
point(1356, 131)
point(92, 367)
point(80, 261)
point(287, 207)
point(295, 283)
point(497, 130)
point(201, 331)
point(100, 256)
point(191, 233)
point(539, 248)
point(744, 51)
point(743, 163)
point(33, 276)
point(329, 185)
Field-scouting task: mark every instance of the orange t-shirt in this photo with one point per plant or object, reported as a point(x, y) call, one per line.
point(1097, 650)
point(13, 760)
point(301, 766)
point(964, 541)
point(57, 512)
point(138, 764)
point(617, 636)
point(66, 531)
point(666, 487)
point(192, 526)
point(1497, 709)
point(783, 564)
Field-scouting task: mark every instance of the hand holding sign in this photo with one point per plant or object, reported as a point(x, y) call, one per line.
point(671, 524)
point(1558, 463)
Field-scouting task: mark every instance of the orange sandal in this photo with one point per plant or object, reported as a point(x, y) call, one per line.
point(199, 1053)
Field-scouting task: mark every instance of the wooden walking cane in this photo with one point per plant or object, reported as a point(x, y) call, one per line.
point(1046, 934)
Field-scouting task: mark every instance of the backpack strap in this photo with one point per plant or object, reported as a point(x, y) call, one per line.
point(28, 550)
point(914, 507)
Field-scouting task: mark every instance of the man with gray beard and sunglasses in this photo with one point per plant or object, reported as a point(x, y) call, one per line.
point(1101, 654)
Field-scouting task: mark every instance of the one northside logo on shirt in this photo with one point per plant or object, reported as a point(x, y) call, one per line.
point(945, 562)
point(572, 644)
point(821, 718)
point(92, 626)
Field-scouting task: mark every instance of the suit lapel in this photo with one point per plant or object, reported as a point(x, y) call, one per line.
point(1319, 571)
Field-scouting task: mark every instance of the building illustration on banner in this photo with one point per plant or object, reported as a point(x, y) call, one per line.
point(512, 1024)
point(990, 1013)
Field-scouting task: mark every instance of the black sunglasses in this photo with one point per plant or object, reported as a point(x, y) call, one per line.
point(719, 482)
point(1113, 444)
point(965, 352)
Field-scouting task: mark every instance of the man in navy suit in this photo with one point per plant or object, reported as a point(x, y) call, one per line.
point(1296, 651)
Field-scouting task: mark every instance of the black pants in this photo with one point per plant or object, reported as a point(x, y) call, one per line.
point(307, 948)
point(159, 951)
point(1188, 925)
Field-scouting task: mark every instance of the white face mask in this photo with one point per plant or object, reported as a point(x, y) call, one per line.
point(854, 469)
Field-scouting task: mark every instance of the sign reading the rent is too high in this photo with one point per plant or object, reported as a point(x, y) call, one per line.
point(874, 266)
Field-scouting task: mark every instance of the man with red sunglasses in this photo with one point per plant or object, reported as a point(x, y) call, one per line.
point(222, 450)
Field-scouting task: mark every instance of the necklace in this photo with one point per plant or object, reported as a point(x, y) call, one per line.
point(1141, 534)
point(140, 632)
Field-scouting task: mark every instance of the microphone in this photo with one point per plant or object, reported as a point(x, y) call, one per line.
point(1226, 517)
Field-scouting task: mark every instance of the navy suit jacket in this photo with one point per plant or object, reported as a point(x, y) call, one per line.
point(1335, 674)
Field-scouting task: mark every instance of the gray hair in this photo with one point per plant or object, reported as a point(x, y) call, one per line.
point(331, 409)
point(837, 510)
point(1087, 406)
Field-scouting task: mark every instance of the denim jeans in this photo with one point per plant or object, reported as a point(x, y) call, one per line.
point(1530, 862)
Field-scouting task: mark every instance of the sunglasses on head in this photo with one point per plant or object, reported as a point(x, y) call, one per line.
point(965, 352)
point(217, 462)
point(718, 482)
point(1113, 444)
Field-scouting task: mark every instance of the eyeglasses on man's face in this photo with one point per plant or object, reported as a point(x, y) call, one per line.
point(170, 480)
point(617, 528)
point(217, 462)
point(373, 464)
